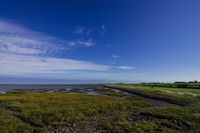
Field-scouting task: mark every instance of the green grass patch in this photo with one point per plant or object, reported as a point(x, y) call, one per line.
point(47, 110)
point(26, 112)
point(177, 95)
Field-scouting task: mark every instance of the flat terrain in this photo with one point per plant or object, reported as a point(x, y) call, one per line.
point(180, 96)
point(127, 108)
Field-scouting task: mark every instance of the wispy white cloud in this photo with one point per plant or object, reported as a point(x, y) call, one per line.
point(23, 51)
point(13, 28)
point(86, 43)
point(79, 30)
point(21, 64)
point(115, 56)
point(126, 67)
point(104, 30)
point(83, 31)
point(104, 27)
point(20, 40)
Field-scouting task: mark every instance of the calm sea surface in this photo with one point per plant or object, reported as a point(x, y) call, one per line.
point(9, 87)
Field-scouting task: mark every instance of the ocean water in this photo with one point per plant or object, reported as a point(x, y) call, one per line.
point(12, 87)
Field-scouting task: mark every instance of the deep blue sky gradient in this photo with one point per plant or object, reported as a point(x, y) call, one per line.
point(161, 38)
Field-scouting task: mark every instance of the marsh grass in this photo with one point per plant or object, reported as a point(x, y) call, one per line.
point(46, 110)
point(61, 112)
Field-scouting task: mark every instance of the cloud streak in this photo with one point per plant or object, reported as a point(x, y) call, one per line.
point(103, 30)
point(126, 67)
point(20, 40)
point(83, 31)
point(115, 56)
point(20, 64)
point(28, 53)
point(23, 51)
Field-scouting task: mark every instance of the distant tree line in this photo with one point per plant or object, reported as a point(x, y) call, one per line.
point(179, 84)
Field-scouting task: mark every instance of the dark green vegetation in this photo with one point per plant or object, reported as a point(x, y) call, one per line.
point(191, 84)
point(110, 112)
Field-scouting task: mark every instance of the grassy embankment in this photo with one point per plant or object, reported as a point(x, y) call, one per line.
point(179, 96)
point(187, 98)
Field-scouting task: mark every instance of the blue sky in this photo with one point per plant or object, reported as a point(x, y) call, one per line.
point(99, 41)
